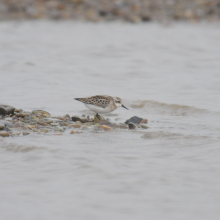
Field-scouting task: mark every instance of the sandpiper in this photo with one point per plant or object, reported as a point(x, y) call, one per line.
point(102, 103)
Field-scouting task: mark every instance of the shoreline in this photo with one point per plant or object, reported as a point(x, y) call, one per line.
point(130, 11)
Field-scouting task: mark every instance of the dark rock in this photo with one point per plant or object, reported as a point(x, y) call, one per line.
point(81, 120)
point(136, 120)
point(6, 110)
point(131, 126)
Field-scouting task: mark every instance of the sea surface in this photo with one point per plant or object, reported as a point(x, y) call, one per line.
point(169, 74)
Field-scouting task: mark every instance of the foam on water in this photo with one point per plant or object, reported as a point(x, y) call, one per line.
point(169, 75)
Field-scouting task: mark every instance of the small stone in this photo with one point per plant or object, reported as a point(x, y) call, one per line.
point(75, 125)
point(17, 110)
point(104, 122)
point(16, 134)
point(44, 113)
point(96, 119)
point(66, 116)
point(8, 119)
point(7, 123)
point(25, 133)
point(144, 126)
point(58, 134)
point(58, 128)
point(4, 134)
point(136, 120)
point(2, 126)
point(72, 132)
point(54, 124)
point(20, 115)
point(105, 127)
point(123, 126)
point(131, 126)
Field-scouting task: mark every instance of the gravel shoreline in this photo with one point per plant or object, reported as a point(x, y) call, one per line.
point(17, 122)
point(134, 11)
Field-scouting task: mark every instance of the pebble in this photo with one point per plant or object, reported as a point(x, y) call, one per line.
point(2, 126)
point(58, 128)
point(54, 124)
point(75, 125)
point(44, 113)
point(4, 134)
point(105, 127)
point(7, 123)
point(72, 132)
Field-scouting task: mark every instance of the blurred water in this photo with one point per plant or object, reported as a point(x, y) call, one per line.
point(169, 75)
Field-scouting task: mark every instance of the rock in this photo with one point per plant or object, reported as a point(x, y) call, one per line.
point(105, 127)
point(58, 128)
point(136, 120)
point(72, 132)
point(17, 110)
point(21, 115)
point(25, 133)
point(75, 119)
point(144, 126)
point(52, 119)
point(104, 122)
point(6, 123)
point(58, 134)
point(96, 119)
point(6, 110)
point(54, 124)
point(2, 126)
point(131, 126)
point(4, 134)
point(44, 113)
point(66, 116)
point(75, 125)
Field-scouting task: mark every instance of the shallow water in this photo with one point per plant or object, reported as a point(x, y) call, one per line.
point(169, 75)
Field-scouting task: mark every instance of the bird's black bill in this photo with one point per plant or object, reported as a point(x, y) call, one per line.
point(124, 107)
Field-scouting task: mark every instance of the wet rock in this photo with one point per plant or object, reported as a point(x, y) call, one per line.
point(58, 128)
point(144, 126)
point(72, 132)
point(21, 115)
point(43, 113)
point(4, 134)
point(25, 133)
point(131, 126)
point(75, 125)
point(75, 119)
point(6, 123)
point(136, 120)
point(105, 127)
point(6, 110)
point(101, 118)
point(104, 122)
point(2, 126)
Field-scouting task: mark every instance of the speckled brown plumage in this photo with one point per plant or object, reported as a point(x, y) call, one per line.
point(100, 101)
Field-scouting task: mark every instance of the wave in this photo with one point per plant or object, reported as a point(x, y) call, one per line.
point(170, 109)
point(14, 147)
point(170, 135)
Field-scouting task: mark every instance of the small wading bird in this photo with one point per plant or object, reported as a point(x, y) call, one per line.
point(101, 104)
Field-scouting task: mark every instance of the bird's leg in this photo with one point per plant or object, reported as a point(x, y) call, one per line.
point(98, 116)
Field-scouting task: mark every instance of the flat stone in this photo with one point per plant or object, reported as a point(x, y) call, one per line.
point(21, 115)
point(75, 125)
point(58, 128)
point(136, 120)
point(2, 126)
point(4, 134)
point(44, 113)
point(105, 127)
point(55, 124)
point(131, 126)
point(6, 123)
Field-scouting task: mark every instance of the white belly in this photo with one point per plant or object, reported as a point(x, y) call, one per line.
point(97, 109)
